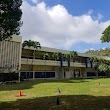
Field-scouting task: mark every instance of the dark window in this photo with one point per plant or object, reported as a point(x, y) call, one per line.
point(26, 75)
point(39, 75)
point(44, 74)
point(101, 74)
point(91, 74)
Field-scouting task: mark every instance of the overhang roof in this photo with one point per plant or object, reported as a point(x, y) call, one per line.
point(48, 49)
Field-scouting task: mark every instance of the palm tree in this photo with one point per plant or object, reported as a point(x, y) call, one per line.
point(72, 55)
point(36, 45)
point(45, 57)
point(66, 57)
point(57, 56)
point(28, 44)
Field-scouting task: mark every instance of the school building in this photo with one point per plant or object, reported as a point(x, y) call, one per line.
point(14, 58)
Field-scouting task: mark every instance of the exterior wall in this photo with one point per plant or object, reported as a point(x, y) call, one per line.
point(38, 68)
point(90, 70)
point(10, 54)
point(68, 74)
point(51, 62)
point(76, 69)
point(79, 67)
point(11, 59)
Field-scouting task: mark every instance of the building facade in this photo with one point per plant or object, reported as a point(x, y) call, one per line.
point(38, 67)
point(10, 55)
point(14, 58)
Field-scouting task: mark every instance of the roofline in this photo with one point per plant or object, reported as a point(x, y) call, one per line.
point(48, 49)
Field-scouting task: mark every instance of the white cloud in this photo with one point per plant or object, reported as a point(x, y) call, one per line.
point(55, 27)
point(91, 49)
point(35, 1)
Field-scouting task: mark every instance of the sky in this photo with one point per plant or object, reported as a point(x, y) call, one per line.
point(75, 25)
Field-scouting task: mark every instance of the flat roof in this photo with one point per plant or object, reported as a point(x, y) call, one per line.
point(48, 49)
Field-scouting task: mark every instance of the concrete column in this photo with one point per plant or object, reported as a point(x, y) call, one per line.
point(60, 73)
point(85, 74)
point(19, 76)
point(96, 74)
point(33, 75)
point(57, 73)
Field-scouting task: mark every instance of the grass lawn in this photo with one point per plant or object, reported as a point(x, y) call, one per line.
point(85, 94)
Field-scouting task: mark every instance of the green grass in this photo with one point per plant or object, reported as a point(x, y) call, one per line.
point(85, 94)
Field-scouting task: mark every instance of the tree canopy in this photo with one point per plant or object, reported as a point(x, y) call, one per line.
point(31, 43)
point(106, 35)
point(101, 65)
point(101, 52)
point(10, 18)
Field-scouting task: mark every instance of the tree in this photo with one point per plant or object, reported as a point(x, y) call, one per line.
point(104, 64)
point(28, 44)
point(65, 57)
point(73, 54)
point(101, 52)
point(36, 45)
point(57, 56)
point(101, 65)
point(45, 57)
point(10, 18)
point(106, 35)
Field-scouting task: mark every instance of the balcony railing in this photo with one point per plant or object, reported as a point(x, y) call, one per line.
point(50, 62)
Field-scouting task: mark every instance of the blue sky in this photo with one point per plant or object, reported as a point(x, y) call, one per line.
point(78, 7)
point(91, 17)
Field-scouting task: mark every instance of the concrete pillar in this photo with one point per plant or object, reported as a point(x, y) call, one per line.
point(96, 74)
point(33, 75)
point(85, 74)
point(60, 73)
point(19, 77)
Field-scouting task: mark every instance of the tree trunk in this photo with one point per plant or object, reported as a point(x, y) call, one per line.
point(45, 70)
point(27, 64)
point(32, 63)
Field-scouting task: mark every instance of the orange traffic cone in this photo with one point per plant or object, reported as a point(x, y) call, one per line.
point(20, 93)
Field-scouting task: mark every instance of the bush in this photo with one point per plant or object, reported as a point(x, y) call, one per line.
point(8, 77)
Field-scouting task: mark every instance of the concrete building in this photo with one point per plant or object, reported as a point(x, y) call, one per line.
point(10, 54)
point(14, 58)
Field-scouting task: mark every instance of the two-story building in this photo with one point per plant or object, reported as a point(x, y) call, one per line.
point(15, 58)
